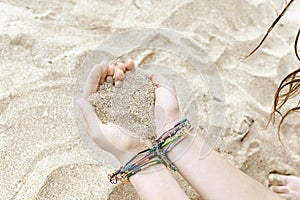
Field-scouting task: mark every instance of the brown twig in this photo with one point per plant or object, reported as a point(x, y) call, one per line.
point(296, 44)
point(269, 30)
point(296, 109)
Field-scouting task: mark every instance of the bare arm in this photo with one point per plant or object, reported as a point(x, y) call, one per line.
point(156, 182)
point(215, 178)
point(212, 177)
point(151, 183)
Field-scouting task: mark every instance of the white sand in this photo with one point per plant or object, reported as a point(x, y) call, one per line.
point(43, 44)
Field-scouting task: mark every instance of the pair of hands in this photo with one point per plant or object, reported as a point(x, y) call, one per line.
point(118, 140)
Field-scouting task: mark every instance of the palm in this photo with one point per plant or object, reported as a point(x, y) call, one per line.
point(167, 111)
point(117, 140)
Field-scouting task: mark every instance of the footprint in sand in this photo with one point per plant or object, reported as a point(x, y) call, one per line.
point(244, 128)
point(123, 192)
point(76, 181)
point(252, 151)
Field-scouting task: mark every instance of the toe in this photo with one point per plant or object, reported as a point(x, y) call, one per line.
point(279, 189)
point(277, 179)
point(129, 64)
point(285, 196)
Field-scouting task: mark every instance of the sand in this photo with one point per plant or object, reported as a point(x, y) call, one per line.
point(130, 106)
point(43, 46)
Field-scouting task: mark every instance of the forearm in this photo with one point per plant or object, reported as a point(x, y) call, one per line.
point(213, 177)
point(156, 182)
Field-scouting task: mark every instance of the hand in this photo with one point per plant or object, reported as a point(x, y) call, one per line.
point(166, 111)
point(117, 140)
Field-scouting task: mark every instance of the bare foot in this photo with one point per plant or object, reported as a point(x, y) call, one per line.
point(286, 186)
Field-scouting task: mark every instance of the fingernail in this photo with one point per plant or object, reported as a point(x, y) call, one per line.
point(121, 66)
point(130, 64)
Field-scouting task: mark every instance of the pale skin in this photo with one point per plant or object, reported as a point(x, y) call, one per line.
point(160, 184)
point(286, 186)
point(212, 177)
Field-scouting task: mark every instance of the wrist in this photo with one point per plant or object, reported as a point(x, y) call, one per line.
point(178, 141)
point(160, 183)
point(171, 146)
point(124, 156)
point(186, 143)
point(181, 149)
point(186, 150)
point(150, 171)
point(168, 123)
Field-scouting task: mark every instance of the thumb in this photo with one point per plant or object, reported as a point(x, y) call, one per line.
point(161, 82)
point(93, 126)
point(90, 119)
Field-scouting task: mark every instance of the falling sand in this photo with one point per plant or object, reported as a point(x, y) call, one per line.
point(130, 106)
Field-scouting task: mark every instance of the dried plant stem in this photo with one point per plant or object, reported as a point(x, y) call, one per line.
point(269, 30)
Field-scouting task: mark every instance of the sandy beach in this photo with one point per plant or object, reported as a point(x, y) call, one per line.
point(45, 45)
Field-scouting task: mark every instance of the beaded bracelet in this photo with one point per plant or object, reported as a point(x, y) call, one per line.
point(154, 155)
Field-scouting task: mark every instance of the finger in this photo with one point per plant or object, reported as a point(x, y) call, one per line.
point(97, 75)
point(165, 89)
point(160, 81)
point(277, 179)
point(279, 189)
point(104, 73)
point(121, 66)
point(119, 74)
point(129, 65)
point(118, 84)
point(110, 70)
point(93, 126)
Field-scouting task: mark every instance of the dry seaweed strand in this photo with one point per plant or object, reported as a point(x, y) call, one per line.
point(287, 81)
point(295, 45)
point(269, 30)
point(292, 81)
point(289, 86)
point(296, 109)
